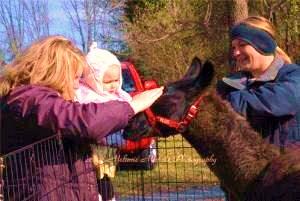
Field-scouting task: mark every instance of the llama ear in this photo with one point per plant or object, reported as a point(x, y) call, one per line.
point(206, 75)
point(194, 69)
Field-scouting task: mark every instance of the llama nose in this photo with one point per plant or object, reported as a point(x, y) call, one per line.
point(168, 90)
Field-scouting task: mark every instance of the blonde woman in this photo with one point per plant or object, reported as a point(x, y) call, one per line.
point(266, 89)
point(37, 90)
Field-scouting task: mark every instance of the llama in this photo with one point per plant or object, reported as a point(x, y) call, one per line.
point(247, 167)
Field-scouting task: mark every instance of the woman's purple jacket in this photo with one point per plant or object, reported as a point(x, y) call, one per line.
point(31, 113)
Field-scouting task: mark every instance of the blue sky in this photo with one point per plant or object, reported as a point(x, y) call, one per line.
point(58, 24)
point(58, 19)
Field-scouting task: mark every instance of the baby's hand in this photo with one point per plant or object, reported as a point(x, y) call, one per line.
point(142, 101)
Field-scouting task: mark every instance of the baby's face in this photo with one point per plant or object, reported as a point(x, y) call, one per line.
point(111, 79)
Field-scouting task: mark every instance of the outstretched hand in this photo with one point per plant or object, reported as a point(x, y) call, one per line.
point(142, 101)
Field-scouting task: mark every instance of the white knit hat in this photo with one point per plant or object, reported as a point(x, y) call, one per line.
point(99, 61)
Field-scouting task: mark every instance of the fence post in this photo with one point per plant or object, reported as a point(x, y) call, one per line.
point(1, 179)
point(143, 185)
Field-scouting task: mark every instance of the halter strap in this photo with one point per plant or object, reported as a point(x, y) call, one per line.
point(179, 126)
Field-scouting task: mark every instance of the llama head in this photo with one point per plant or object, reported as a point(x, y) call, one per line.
point(176, 100)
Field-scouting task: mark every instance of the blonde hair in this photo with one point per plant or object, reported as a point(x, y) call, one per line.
point(265, 25)
point(53, 62)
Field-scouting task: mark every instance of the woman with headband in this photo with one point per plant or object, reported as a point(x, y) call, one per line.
point(267, 86)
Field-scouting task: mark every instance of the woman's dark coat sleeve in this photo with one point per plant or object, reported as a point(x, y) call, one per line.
point(69, 118)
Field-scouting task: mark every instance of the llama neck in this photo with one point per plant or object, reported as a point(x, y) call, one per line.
point(240, 153)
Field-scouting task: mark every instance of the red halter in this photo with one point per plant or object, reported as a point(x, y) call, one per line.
point(179, 126)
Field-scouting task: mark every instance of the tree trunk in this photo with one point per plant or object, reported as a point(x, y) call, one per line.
point(239, 10)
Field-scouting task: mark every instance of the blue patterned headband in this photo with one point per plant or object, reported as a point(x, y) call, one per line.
point(258, 38)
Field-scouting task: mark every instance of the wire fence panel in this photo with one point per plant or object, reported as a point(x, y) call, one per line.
point(170, 169)
point(24, 168)
point(178, 174)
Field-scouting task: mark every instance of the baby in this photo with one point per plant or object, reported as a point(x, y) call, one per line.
point(101, 82)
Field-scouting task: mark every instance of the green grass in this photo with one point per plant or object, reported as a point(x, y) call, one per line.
point(179, 167)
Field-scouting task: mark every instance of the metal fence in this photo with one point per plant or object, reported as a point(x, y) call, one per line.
point(21, 168)
point(178, 173)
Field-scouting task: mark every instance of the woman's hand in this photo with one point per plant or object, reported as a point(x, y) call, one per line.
point(142, 101)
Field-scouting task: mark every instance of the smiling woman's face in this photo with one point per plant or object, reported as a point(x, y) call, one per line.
point(247, 58)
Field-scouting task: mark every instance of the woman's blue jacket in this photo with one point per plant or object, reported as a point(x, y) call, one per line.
point(271, 102)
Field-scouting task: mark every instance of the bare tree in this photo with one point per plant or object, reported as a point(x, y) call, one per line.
point(22, 21)
point(94, 20)
point(12, 23)
point(37, 15)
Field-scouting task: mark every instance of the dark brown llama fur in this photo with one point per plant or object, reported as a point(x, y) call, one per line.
point(251, 168)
